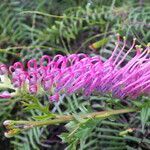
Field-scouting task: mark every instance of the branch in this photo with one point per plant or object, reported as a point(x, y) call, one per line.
point(15, 127)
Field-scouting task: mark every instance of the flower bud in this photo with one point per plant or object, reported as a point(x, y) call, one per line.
point(3, 69)
point(5, 94)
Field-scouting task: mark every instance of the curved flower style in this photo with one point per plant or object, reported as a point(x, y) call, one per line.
point(82, 73)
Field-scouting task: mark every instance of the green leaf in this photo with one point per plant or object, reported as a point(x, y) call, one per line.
point(100, 43)
point(44, 117)
point(145, 116)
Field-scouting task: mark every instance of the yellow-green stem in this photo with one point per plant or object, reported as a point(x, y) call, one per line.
point(66, 118)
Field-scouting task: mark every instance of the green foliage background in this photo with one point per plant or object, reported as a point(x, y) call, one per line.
point(29, 29)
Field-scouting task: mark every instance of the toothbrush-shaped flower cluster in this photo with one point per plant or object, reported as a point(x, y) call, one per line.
point(81, 73)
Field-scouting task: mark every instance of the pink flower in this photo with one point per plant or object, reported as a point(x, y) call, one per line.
point(54, 98)
point(5, 94)
point(80, 73)
point(3, 69)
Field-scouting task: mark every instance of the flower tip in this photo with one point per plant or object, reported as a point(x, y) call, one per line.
point(18, 65)
point(54, 98)
point(3, 69)
point(6, 134)
point(7, 122)
point(138, 49)
point(32, 64)
point(118, 35)
point(124, 38)
point(12, 133)
point(5, 94)
point(148, 45)
point(138, 46)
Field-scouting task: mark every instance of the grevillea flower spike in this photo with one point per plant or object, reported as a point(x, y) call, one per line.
point(65, 75)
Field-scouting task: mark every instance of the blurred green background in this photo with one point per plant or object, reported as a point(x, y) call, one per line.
point(31, 28)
